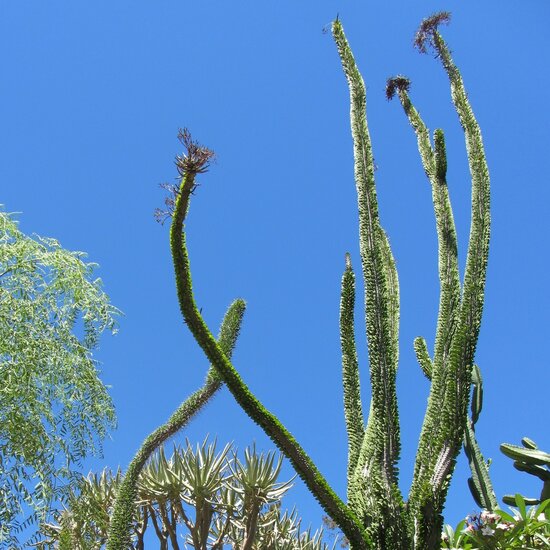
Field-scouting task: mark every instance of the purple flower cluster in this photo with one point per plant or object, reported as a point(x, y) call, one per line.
point(485, 524)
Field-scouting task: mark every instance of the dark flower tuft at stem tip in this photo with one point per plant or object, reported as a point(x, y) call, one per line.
point(197, 158)
point(427, 29)
point(397, 84)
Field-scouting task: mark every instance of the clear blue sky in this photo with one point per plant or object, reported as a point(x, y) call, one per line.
point(93, 94)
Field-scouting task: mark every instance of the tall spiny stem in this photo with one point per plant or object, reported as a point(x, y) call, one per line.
point(273, 428)
point(373, 486)
point(353, 409)
point(435, 165)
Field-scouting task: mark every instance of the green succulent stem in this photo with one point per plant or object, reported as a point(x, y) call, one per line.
point(273, 428)
point(376, 515)
point(120, 529)
point(532, 460)
point(123, 510)
point(353, 409)
point(373, 485)
point(480, 482)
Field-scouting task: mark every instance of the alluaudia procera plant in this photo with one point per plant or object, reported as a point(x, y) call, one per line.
point(376, 514)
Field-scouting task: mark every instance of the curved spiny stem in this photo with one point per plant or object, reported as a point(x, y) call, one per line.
point(123, 510)
point(381, 352)
point(353, 409)
point(433, 441)
point(273, 428)
point(479, 483)
point(374, 491)
point(476, 261)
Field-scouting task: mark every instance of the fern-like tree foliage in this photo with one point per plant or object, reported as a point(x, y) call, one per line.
point(54, 409)
point(376, 514)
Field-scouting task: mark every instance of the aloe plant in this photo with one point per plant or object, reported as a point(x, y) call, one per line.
point(84, 521)
point(197, 497)
point(376, 514)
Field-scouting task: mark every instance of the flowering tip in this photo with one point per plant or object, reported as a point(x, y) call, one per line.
point(196, 159)
point(396, 84)
point(427, 29)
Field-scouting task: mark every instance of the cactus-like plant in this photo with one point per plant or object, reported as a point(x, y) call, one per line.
point(479, 483)
point(529, 458)
point(376, 515)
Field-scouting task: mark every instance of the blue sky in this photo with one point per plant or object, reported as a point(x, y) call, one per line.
point(93, 95)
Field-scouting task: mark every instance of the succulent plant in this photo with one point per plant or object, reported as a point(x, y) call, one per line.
point(479, 483)
point(198, 497)
point(530, 459)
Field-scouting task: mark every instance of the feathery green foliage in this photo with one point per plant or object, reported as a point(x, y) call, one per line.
point(54, 409)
